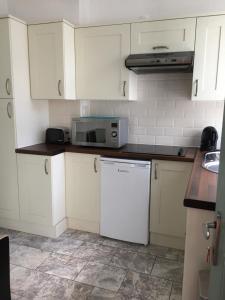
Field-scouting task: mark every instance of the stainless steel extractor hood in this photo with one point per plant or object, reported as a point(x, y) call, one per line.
point(161, 62)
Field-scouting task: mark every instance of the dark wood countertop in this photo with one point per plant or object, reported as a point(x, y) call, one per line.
point(202, 187)
point(130, 151)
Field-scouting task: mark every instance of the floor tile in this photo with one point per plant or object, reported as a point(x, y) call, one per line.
point(101, 294)
point(28, 257)
point(11, 233)
point(176, 293)
point(134, 261)
point(163, 252)
point(120, 244)
point(62, 266)
point(99, 275)
point(82, 236)
point(26, 283)
point(142, 286)
point(12, 247)
point(94, 252)
point(63, 289)
point(62, 245)
point(30, 240)
point(168, 269)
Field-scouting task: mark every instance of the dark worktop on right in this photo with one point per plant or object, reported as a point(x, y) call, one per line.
point(202, 188)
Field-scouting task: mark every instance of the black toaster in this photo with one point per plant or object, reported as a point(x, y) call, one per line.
point(57, 135)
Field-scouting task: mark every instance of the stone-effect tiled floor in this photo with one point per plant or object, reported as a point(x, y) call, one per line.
point(80, 265)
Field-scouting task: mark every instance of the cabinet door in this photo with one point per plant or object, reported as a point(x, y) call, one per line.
point(209, 64)
point(34, 173)
point(46, 61)
point(83, 191)
point(168, 187)
point(163, 36)
point(9, 206)
point(5, 60)
point(100, 68)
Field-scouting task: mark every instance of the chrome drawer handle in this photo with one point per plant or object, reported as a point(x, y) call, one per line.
point(46, 166)
point(160, 47)
point(124, 88)
point(156, 171)
point(59, 88)
point(95, 165)
point(7, 86)
point(9, 109)
point(196, 87)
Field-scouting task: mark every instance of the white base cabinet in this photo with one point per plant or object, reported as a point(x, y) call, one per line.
point(42, 190)
point(9, 206)
point(167, 213)
point(83, 191)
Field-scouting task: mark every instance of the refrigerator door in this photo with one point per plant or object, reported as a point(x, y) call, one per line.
point(125, 189)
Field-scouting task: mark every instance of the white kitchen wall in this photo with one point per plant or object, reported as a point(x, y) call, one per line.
point(163, 114)
point(44, 10)
point(111, 11)
point(3, 7)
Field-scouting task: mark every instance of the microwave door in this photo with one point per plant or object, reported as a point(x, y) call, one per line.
point(100, 135)
point(91, 136)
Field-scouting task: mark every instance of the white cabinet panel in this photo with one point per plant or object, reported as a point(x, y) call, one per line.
point(52, 61)
point(168, 187)
point(9, 206)
point(5, 60)
point(209, 64)
point(100, 63)
point(163, 36)
point(83, 191)
point(41, 188)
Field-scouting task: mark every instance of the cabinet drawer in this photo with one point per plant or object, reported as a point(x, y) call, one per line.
point(163, 36)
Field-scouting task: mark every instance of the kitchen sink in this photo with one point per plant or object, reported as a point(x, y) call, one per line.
point(211, 161)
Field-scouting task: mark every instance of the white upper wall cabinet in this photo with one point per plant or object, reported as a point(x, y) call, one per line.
point(52, 61)
point(163, 36)
point(5, 60)
point(209, 64)
point(100, 63)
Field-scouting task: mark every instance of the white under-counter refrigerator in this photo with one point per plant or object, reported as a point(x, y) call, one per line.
point(125, 199)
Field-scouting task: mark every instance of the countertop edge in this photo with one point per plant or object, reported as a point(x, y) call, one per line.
point(51, 150)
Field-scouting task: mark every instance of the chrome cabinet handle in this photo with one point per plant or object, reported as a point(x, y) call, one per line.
point(160, 47)
point(124, 88)
point(46, 166)
point(9, 109)
point(196, 87)
point(59, 88)
point(7, 86)
point(95, 165)
point(156, 171)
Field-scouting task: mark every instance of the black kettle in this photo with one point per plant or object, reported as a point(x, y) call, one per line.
point(209, 139)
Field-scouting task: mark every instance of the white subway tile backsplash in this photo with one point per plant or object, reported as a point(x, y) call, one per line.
point(173, 131)
point(192, 132)
point(164, 140)
point(148, 122)
point(165, 122)
point(184, 123)
point(164, 113)
point(155, 131)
